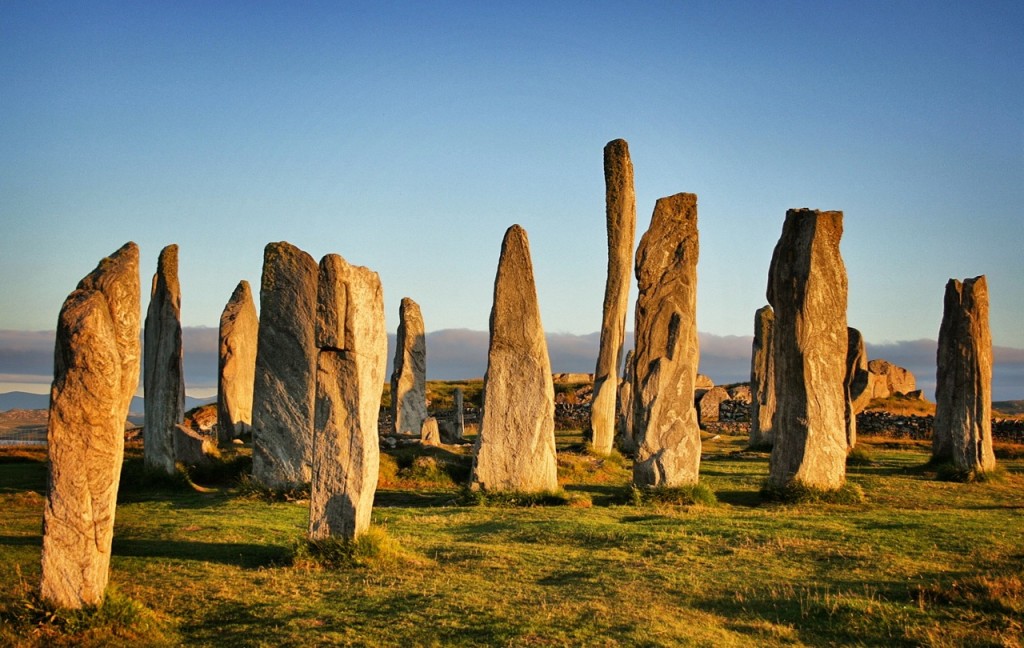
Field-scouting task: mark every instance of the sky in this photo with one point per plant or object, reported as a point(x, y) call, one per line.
point(408, 137)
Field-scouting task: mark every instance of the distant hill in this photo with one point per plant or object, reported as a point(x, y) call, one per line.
point(26, 401)
point(1012, 407)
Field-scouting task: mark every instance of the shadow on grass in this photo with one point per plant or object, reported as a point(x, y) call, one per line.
point(748, 498)
point(238, 554)
point(385, 498)
point(21, 541)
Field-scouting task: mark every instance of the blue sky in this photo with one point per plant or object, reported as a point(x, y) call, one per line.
point(408, 136)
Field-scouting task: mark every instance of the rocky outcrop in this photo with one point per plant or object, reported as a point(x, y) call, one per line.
point(164, 377)
point(409, 377)
point(236, 364)
point(285, 378)
point(515, 448)
point(855, 383)
point(667, 353)
point(887, 379)
point(96, 359)
point(807, 289)
point(620, 217)
point(351, 361)
point(963, 388)
point(762, 379)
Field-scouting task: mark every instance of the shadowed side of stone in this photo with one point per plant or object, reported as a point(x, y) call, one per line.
point(163, 374)
point(963, 389)
point(515, 448)
point(620, 215)
point(762, 378)
point(667, 351)
point(807, 289)
point(285, 375)
point(409, 376)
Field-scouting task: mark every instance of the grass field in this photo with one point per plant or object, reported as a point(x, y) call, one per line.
point(919, 562)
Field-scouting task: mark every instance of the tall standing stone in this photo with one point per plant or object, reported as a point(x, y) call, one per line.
point(620, 214)
point(351, 362)
point(855, 384)
point(163, 374)
point(409, 376)
point(624, 408)
point(515, 449)
point(807, 288)
point(459, 427)
point(963, 388)
point(284, 389)
point(96, 361)
point(762, 379)
point(236, 364)
point(667, 348)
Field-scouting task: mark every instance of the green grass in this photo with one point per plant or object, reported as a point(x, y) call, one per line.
point(917, 562)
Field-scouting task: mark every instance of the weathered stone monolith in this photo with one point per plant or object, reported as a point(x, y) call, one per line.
point(620, 216)
point(284, 388)
point(459, 422)
point(430, 432)
point(667, 351)
point(963, 388)
point(515, 448)
point(236, 365)
point(351, 362)
point(409, 375)
point(855, 383)
point(807, 289)
point(96, 372)
point(163, 375)
point(624, 408)
point(886, 379)
point(709, 404)
point(762, 379)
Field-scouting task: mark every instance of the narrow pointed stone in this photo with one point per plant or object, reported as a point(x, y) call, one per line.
point(351, 361)
point(459, 426)
point(963, 388)
point(97, 344)
point(807, 289)
point(409, 376)
point(624, 408)
point(856, 383)
point(620, 216)
point(515, 449)
point(164, 377)
point(667, 348)
point(284, 388)
point(236, 364)
point(762, 379)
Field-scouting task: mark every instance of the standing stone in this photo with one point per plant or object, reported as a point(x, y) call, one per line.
point(620, 214)
point(409, 377)
point(807, 288)
point(624, 405)
point(284, 388)
point(856, 383)
point(963, 388)
point(430, 433)
point(515, 449)
point(163, 376)
point(762, 379)
point(460, 415)
point(667, 351)
point(96, 359)
point(351, 363)
point(709, 404)
point(236, 364)
point(886, 379)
